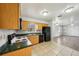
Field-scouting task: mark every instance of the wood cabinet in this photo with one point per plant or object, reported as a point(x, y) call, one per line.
point(9, 15)
point(22, 52)
point(34, 39)
point(44, 25)
point(25, 25)
point(41, 25)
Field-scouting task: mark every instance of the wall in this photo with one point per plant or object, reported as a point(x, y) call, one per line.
point(55, 29)
point(3, 36)
point(71, 31)
point(33, 19)
point(70, 28)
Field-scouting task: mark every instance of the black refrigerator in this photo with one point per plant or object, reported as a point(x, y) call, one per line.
point(46, 32)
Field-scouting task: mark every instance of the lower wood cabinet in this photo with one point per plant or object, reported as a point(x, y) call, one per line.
point(22, 52)
point(34, 39)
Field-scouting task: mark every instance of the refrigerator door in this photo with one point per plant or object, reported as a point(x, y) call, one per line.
point(46, 32)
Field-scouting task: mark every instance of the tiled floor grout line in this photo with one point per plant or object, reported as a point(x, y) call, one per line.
point(60, 51)
point(71, 53)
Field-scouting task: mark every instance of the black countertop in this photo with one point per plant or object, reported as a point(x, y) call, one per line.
point(12, 47)
point(27, 34)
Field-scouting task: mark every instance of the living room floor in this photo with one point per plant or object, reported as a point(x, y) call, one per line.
point(59, 46)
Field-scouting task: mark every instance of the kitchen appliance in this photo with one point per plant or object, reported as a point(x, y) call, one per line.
point(41, 38)
point(10, 37)
point(46, 33)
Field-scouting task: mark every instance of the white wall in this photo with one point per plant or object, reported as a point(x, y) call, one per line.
point(69, 29)
point(33, 19)
point(3, 36)
point(55, 30)
point(72, 31)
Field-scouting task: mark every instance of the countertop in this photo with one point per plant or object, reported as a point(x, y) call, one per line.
point(25, 34)
point(12, 47)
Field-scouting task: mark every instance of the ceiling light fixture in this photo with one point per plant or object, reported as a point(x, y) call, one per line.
point(68, 10)
point(72, 24)
point(44, 12)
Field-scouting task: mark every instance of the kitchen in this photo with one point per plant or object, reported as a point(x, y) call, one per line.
point(39, 29)
point(15, 29)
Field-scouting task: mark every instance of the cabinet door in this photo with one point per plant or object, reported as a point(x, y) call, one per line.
point(25, 25)
point(34, 39)
point(39, 26)
point(9, 15)
point(45, 25)
point(22, 52)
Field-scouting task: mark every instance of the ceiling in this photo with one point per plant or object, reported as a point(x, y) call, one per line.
point(33, 10)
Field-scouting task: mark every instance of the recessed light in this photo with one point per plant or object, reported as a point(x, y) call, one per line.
point(44, 12)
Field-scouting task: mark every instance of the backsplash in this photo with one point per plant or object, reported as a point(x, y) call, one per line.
point(3, 36)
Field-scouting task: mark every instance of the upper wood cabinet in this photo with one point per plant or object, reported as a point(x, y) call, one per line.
point(9, 15)
point(44, 25)
point(25, 25)
point(41, 25)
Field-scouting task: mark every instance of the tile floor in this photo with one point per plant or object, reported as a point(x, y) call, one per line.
point(53, 48)
point(69, 41)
